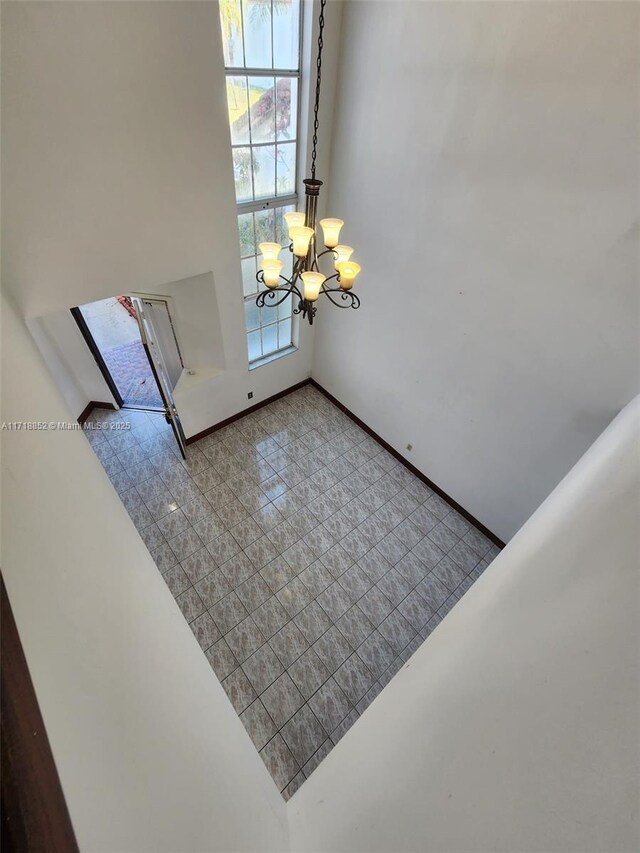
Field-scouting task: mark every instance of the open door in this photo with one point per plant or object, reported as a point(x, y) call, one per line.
point(165, 366)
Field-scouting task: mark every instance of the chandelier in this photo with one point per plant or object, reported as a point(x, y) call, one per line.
point(307, 282)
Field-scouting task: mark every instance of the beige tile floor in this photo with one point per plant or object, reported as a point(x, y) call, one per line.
point(309, 563)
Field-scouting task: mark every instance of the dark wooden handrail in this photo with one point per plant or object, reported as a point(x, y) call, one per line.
point(35, 817)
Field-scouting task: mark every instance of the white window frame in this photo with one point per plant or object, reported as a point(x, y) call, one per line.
point(274, 202)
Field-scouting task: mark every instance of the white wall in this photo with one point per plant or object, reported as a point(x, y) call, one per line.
point(485, 161)
point(150, 752)
point(515, 726)
point(117, 171)
point(196, 321)
point(70, 362)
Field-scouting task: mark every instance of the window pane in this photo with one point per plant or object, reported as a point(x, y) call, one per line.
point(282, 232)
point(253, 345)
point(247, 237)
point(265, 226)
point(287, 258)
point(286, 33)
point(269, 339)
point(286, 107)
point(286, 168)
point(286, 308)
point(257, 33)
point(252, 314)
point(231, 20)
point(238, 105)
point(249, 283)
point(269, 314)
point(284, 333)
point(242, 173)
point(263, 114)
point(264, 171)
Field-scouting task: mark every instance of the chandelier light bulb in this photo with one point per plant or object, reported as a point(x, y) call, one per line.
point(270, 251)
point(331, 230)
point(342, 253)
point(271, 272)
point(301, 236)
point(294, 220)
point(347, 270)
point(312, 284)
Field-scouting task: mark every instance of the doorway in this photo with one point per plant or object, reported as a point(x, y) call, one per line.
point(112, 325)
point(133, 341)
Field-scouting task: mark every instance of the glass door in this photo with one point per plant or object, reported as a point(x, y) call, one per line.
point(166, 379)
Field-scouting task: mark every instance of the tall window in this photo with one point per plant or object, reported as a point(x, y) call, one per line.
point(262, 58)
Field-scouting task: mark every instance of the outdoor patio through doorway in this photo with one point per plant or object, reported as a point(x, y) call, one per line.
point(114, 329)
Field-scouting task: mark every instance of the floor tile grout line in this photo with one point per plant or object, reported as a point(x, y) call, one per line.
point(332, 674)
point(292, 619)
point(359, 558)
point(306, 702)
point(338, 579)
point(395, 608)
point(333, 428)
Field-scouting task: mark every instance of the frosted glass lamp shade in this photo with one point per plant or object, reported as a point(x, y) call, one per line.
point(293, 220)
point(270, 251)
point(271, 272)
point(343, 254)
point(301, 236)
point(312, 284)
point(347, 270)
point(331, 230)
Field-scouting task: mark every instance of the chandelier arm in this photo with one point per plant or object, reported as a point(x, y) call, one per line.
point(290, 289)
point(292, 286)
point(346, 295)
point(335, 275)
point(295, 278)
point(290, 281)
point(326, 252)
point(271, 295)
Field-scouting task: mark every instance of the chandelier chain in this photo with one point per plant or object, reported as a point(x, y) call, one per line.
point(318, 80)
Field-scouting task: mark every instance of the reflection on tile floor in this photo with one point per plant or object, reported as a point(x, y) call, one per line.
point(308, 562)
